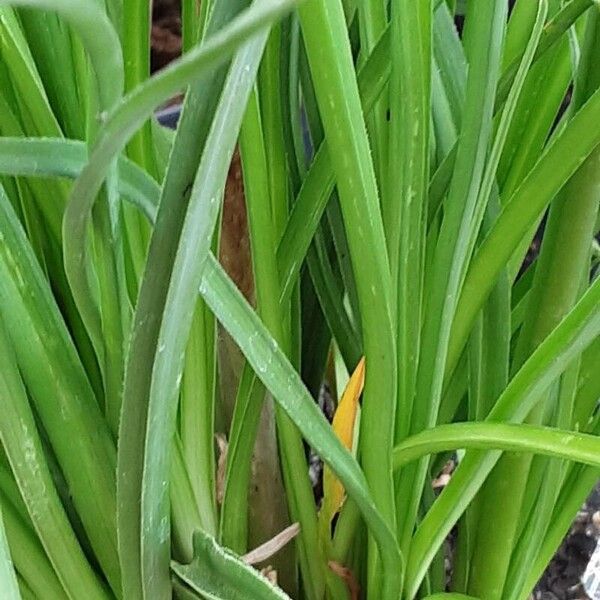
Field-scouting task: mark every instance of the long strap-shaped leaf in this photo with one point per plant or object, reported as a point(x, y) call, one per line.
point(374, 75)
point(8, 578)
point(556, 166)
point(410, 106)
point(23, 447)
point(158, 386)
point(59, 157)
point(218, 574)
point(330, 59)
point(194, 245)
point(151, 200)
point(125, 119)
point(372, 78)
point(261, 185)
point(517, 437)
point(35, 573)
point(319, 181)
point(551, 358)
point(285, 384)
point(24, 75)
point(59, 388)
point(450, 596)
point(101, 41)
point(31, 157)
point(451, 251)
point(106, 327)
point(280, 378)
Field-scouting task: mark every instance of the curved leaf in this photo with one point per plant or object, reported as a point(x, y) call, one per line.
point(278, 375)
point(23, 447)
point(218, 574)
point(560, 161)
point(577, 330)
point(163, 321)
point(121, 123)
point(59, 388)
point(59, 157)
point(517, 437)
point(98, 35)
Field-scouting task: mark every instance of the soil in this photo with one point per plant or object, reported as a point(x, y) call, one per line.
point(561, 581)
point(166, 32)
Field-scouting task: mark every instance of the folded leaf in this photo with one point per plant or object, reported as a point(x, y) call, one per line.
point(343, 426)
point(218, 574)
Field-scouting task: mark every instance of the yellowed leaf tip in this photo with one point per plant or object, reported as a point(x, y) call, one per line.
point(343, 426)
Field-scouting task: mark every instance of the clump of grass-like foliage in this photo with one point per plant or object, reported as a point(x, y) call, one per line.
point(395, 173)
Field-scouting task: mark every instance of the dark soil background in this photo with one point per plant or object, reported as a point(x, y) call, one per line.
point(166, 32)
point(562, 579)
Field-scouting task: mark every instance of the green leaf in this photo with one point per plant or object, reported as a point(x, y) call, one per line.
point(33, 104)
point(278, 375)
point(8, 577)
point(330, 59)
point(487, 21)
point(58, 157)
point(23, 447)
point(29, 558)
point(260, 186)
point(450, 596)
point(218, 574)
point(517, 437)
point(101, 41)
point(51, 44)
point(577, 330)
point(410, 109)
point(121, 123)
point(182, 238)
point(558, 163)
point(136, 61)
point(59, 387)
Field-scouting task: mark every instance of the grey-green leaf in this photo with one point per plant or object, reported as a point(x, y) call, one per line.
point(219, 575)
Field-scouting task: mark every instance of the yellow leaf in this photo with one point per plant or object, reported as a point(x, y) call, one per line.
point(343, 426)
